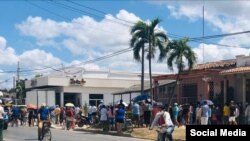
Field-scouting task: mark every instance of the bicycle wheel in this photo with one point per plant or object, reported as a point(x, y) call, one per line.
point(130, 127)
point(47, 136)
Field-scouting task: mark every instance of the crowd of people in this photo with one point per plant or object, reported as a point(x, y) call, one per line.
point(142, 114)
point(210, 114)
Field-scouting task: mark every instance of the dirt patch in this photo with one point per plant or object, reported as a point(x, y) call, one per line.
point(144, 133)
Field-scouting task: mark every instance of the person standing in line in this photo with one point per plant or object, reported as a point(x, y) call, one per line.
point(57, 112)
point(1, 120)
point(104, 118)
point(94, 114)
point(111, 117)
point(120, 116)
point(175, 112)
point(204, 113)
point(90, 114)
point(232, 113)
point(30, 117)
point(136, 114)
point(226, 114)
point(147, 113)
point(247, 115)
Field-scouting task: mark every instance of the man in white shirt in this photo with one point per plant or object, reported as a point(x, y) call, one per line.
point(94, 114)
point(104, 118)
point(1, 120)
point(163, 120)
point(90, 114)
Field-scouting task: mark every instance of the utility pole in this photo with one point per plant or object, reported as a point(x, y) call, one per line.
point(14, 82)
point(18, 72)
point(203, 50)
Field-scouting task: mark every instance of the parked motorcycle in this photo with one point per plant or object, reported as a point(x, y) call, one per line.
point(82, 120)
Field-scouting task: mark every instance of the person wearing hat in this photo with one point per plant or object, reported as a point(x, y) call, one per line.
point(43, 116)
point(163, 120)
point(1, 120)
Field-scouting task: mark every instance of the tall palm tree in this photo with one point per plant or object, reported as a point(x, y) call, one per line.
point(146, 34)
point(179, 54)
point(137, 42)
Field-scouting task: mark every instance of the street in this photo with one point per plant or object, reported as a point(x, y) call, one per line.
point(24, 133)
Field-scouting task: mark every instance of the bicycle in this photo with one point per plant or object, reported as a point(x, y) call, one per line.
point(159, 135)
point(128, 126)
point(163, 130)
point(46, 133)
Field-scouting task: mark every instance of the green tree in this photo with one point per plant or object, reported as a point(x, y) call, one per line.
point(146, 34)
point(137, 42)
point(20, 90)
point(179, 53)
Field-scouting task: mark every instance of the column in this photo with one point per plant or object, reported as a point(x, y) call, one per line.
point(243, 90)
point(62, 99)
point(225, 90)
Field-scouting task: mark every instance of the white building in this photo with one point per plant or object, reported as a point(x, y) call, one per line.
point(79, 87)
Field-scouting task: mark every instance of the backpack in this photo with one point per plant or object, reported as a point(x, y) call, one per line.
point(69, 113)
point(161, 120)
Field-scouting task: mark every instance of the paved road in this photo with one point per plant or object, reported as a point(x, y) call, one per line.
point(30, 134)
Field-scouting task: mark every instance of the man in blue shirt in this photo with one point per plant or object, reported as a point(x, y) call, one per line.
point(15, 115)
point(204, 113)
point(43, 115)
point(136, 113)
point(175, 112)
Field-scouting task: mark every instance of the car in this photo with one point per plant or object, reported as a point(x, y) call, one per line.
point(6, 121)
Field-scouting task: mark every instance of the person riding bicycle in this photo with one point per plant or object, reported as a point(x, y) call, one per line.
point(15, 115)
point(165, 124)
point(43, 116)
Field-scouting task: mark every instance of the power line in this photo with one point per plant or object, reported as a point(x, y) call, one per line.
point(64, 17)
point(193, 39)
point(86, 12)
point(196, 39)
point(99, 11)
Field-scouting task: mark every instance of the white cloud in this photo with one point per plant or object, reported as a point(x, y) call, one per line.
point(90, 38)
point(215, 53)
point(2, 42)
point(82, 33)
point(8, 55)
point(39, 28)
point(221, 16)
point(30, 59)
point(38, 58)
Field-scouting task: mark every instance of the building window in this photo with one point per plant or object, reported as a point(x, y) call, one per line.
point(189, 93)
point(95, 99)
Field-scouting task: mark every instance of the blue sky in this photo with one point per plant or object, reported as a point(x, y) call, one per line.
point(42, 34)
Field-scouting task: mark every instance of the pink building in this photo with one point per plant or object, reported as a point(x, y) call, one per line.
point(220, 81)
point(205, 81)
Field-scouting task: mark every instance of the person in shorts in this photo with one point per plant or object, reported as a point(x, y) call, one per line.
point(120, 116)
point(232, 113)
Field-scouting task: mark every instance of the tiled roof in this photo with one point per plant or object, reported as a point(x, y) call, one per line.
point(236, 70)
point(223, 64)
point(137, 88)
